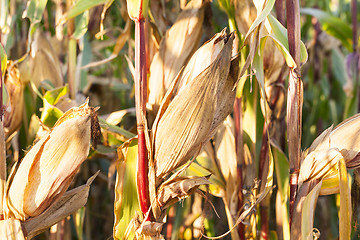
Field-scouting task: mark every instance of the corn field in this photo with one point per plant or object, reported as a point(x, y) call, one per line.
point(179, 119)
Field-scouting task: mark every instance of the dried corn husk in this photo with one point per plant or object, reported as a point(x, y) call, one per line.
point(13, 113)
point(179, 188)
point(42, 63)
point(70, 202)
point(344, 137)
point(202, 59)
point(10, 229)
point(48, 168)
point(195, 112)
point(179, 42)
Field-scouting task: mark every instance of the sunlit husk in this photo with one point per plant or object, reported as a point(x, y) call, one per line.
point(10, 229)
point(14, 111)
point(179, 42)
point(179, 188)
point(48, 168)
point(194, 114)
point(202, 59)
point(344, 137)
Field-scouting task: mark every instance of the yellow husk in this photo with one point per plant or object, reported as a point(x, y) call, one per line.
point(48, 168)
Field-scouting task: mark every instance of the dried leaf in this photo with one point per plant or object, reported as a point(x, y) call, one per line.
point(70, 202)
point(179, 188)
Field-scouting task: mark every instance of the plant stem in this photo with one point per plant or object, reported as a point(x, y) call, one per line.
point(140, 105)
point(2, 148)
point(280, 11)
point(240, 157)
point(263, 167)
point(294, 99)
point(71, 53)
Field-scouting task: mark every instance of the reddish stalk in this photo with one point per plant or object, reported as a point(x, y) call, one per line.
point(280, 11)
point(170, 222)
point(140, 105)
point(355, 65)
point(263, 165)
point(294, 99)
point(239, 153)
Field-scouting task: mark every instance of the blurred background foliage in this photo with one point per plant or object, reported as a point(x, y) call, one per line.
point(41, 40)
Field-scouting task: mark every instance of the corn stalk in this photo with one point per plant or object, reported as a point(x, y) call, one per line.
point(137, 9)
point(295, 98)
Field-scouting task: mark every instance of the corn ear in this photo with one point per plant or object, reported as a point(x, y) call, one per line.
point(48, 168)
point(202, 58)
point(179, 42)
point(318, 164)
point(187, 123)
point(10, 229)
point(13, 113)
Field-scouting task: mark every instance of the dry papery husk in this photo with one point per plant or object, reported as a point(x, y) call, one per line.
point(192, 117)
point(11, 229)
point(70, 202)
point(42, 63)
point(179, 42)
point(46, 171)
point(343, 141)
point(14, 110)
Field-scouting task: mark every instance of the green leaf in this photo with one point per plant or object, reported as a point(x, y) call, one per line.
point(3, 60)
point(80, 7)
point(279, 35)
point(53, 96)
point(332, 25)
point(261, 17)
point(307, 212)
point(126, 198)
point(50, 114)
point(81, 25)
point(104, 124)
point(4, 12)
point(3, 70)
point(282, 170)
point(34, 10)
